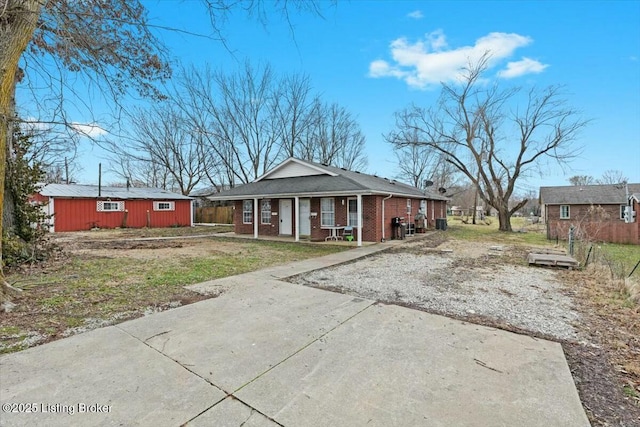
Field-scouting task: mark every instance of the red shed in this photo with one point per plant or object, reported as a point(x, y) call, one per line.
point(82, 207)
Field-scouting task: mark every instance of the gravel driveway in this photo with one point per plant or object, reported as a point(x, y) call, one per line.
point(461, 280)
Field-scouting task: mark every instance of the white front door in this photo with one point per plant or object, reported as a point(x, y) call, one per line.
point(305, 217)
point(285, 217)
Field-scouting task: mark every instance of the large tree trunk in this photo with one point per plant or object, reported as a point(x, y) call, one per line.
point(18, 21)
point(504, 218)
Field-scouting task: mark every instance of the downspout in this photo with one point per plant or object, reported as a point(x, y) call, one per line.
point(383, 222)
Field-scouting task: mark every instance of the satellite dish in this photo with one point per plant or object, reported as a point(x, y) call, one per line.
point(442, 190)
point(428, 183)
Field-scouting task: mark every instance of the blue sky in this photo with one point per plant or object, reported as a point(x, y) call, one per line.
point(377, 57)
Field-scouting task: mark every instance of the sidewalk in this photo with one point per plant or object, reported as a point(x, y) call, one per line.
point(272, 353)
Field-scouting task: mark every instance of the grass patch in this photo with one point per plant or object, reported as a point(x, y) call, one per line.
point(524, 233)
point(110, 285)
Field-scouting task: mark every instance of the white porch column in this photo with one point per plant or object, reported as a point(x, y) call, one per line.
point(296, 212)
point(360, 223)
point(256, 218)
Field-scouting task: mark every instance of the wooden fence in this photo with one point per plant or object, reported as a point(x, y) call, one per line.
point(215, 215)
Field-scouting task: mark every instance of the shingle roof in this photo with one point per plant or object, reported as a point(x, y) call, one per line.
point(122, 193)
point(345, 182)
point(586, 194)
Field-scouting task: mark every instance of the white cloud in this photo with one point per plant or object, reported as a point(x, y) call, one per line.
point(416, 14)
point(522, 67)
point(91, 130)
point(429, 61)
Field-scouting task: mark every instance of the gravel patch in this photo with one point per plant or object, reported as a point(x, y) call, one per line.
point(528, 298)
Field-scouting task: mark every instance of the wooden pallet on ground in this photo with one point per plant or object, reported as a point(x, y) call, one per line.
point(552, 260)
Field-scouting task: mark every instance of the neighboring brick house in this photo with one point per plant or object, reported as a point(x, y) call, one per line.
point(304, 199)
point(596, 211)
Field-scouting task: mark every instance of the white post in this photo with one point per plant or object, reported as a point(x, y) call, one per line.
point(193, 202)
point(296, 212)
point(255, 218)
point(360, 224)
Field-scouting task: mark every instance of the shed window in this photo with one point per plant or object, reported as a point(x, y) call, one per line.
point(164, 206)
point(564, 211)
point(247, 211)
point(327, 212)
point(108, 206)
point(265, 212)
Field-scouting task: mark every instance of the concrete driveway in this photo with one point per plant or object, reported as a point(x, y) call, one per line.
point(271, 353)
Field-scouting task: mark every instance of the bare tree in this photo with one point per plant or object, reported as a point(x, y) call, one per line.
point(473, 120)
point(162, 149)
point(611, 177)
point(420, 163)
point(581, 180)
point(295, 107)
point(236, 116)
point(104, 43)
point(251, 119)
point(333, 137)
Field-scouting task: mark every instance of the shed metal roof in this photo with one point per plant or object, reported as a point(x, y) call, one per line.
point(78, 191)
point(587, 194)
point(336, 181)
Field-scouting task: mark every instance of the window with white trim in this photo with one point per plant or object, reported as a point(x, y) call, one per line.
point(622, 208)
point(265, 211)
point(164, 206)
point(247, 211)
point(352, 212)
point(564, 212)
point(408, 205)
point(109, 206)
point(327, 212)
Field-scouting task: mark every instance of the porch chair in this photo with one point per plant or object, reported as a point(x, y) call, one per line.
point(347, 234)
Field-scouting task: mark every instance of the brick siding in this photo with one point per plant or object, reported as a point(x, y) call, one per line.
point(371, 215)
point(610, 229)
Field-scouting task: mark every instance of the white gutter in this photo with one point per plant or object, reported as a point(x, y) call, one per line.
point(386, 198)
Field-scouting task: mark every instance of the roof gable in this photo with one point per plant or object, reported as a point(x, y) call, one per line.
point(293, 167)
point(295, 177)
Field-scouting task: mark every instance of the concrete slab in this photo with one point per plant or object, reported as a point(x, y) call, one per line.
point(392, 366)
point(231, 413)
point(232, 339)
point(62, 382)
point(215, 287)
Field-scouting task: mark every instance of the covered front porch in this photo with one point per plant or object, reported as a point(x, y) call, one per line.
point(317, 218)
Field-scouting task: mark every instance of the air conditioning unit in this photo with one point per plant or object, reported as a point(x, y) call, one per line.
point(629, 215)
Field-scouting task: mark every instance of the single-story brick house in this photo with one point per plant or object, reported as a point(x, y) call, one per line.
point(304, 199)
point(598, 211)
point(74, 207)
